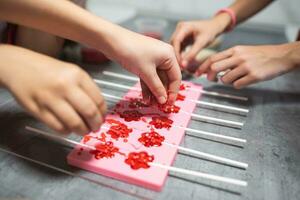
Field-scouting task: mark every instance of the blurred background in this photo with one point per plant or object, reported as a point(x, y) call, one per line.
point(282, 15)
point(278, 23)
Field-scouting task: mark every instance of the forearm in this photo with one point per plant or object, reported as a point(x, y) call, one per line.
point(294, 54)
point(60, 18)
point(9, 62)
point(244, 9)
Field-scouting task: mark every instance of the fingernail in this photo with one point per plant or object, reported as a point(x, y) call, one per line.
point(162, 99)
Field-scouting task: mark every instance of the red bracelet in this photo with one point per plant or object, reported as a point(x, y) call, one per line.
point(232, 15)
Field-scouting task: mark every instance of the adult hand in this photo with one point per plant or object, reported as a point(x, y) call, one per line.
point(245, 65)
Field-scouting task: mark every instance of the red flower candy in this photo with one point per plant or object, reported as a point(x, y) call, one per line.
point(138, 160)
point(105, 150)
point(137, 103)
point(161, 122)
point(150, 139)
point(131, 115)
point(168, 108)
point(117, 131)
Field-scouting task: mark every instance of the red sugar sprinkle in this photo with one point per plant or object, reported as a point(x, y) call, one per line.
point(86, 138)
point(137, 103)
point(167, 108)
point(151, 139)
point(138, 160)
point(161, 122)
point(180, 97)
point(105, 150)
point(117, 131)
point(131, 115)
point(183, 86)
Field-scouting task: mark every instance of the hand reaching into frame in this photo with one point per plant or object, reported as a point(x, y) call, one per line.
point(245, 65)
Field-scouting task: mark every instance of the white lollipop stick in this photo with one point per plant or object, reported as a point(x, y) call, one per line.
point(202, 134)
point(207, 156)
point(121, 76)
point(210, 93)
point(201, 103)
point(201, 175)
point(219, 137)
point(197, 116)
point(210, 156)
point(201, 154)
point(56, 137)
point(170, 168)
point(214, 106)
point(214, 120)
point(220, 107)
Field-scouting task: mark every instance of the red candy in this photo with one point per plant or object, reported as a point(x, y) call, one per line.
point(118, 131)
point(131, 115)
point(161, 122)
point(167, 108)
point(183, 86)
point(151, 139)
point(138, 160)
point(180, 97)
point(137, 103)
point(113, 121)
point(86, 138)
point(105, 150)
point(103, 137)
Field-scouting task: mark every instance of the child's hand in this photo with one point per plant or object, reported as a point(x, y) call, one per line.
point(200, 33)
point(60, 94)
point(245, 65)
point(153, 61)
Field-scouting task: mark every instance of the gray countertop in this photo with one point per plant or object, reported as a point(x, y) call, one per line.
point(272, 130)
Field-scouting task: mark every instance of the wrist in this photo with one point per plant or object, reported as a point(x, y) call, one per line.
point(293, 54)
point(222, 21)
point(231, 18)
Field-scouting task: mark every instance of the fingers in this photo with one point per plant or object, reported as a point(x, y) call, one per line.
point(212, 59)
point(68, 116)
point(86, 108)
point(233, 75)
point(199, 43)
point(177, 38)
point(94, 92)
point(222, 55)
point(155, 85)
point(244, 81)
point(221, 65)
point(53, 122)
point(174, 79)
point(45, 115)
point(147, 96)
